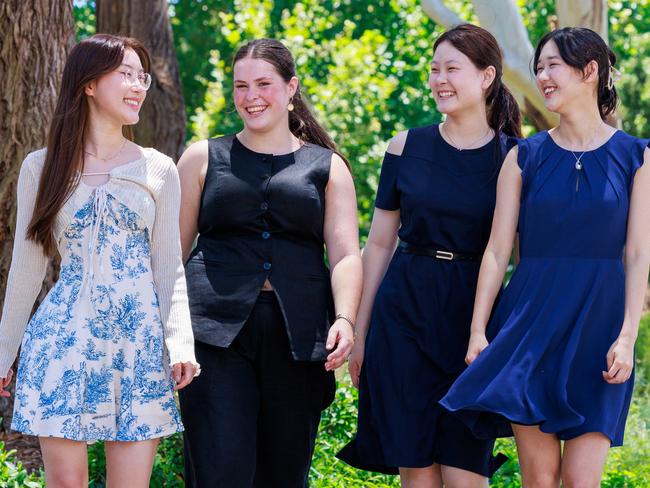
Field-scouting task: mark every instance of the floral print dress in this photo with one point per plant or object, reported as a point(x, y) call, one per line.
point(93, 364)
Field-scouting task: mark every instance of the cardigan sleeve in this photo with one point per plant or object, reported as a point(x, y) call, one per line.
point(168, 271)
point(27, 271)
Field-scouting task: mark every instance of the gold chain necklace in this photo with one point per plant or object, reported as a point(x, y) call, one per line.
point(108, 158)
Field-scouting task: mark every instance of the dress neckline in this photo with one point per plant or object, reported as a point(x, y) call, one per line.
point(267, 155)
point(116, 169)
point(602, 146)
point(438, 134)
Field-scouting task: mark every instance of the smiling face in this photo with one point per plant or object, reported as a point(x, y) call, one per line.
point(561, 85)
point(456, 83)
point(112, 97)
point(261, 95)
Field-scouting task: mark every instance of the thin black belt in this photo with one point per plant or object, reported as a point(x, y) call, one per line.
point(438, 254)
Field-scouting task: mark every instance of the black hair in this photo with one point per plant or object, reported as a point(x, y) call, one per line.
point(578, 46)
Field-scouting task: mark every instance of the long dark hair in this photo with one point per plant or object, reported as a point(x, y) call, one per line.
point(89, 60)
point(302, 122)
point(483, 51)
point(578, 46)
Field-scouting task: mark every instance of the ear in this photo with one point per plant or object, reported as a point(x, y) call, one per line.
point(591, 72)
point(90, 88)
point(489, 74)
point(292, 86)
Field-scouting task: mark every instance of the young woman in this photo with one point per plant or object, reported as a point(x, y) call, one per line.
point(561, 365)
point(436, 193)
point(265, 202)
point(96, 356)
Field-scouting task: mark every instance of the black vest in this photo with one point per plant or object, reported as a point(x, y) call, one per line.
point(261, 217)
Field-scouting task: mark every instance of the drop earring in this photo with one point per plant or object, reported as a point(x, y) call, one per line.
point(290, 107)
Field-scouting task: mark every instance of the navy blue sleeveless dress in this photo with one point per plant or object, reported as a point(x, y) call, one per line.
point(419, 328)
point(563, 308)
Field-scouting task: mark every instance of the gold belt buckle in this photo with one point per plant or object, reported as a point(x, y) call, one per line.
point(444, 255)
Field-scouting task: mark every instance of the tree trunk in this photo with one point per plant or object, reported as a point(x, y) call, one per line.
point(583, 13)
point(36, 37)
point(162, 121)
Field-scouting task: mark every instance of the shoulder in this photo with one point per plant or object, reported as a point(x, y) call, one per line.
point(194, 158)
point(34, 161)
point(397, 143)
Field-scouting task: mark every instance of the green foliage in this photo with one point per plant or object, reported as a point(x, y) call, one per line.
point(12, 472)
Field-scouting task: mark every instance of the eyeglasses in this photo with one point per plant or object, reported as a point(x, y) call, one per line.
point(133, 78)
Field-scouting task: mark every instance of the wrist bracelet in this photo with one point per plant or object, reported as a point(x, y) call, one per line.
point(347, 319)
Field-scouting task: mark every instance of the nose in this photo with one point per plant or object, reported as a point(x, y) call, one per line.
point(542, 75)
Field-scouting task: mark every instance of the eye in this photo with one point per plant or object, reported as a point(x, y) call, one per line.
point(264, 83)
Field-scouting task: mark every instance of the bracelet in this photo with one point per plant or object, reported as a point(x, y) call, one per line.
point(347, 319)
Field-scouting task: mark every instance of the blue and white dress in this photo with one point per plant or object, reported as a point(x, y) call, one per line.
point(93, 364)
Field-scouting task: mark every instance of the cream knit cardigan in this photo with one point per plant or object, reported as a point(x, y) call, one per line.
point(148, 186)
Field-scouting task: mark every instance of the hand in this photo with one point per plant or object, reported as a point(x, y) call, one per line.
point(620, 360)
point(355, 361)
point(340, 335)
point(477, 342)
point(4, 383)
point(184, 373)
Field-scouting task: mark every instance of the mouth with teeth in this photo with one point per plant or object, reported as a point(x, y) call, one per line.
point(443, 95)
point(256, 109)
point(133, 103)
point(549, 90)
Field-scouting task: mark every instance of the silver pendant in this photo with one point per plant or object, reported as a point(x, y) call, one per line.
point(578, 165)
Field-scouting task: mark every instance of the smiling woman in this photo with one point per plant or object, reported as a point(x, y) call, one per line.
point(102, 355)
point(272, 322)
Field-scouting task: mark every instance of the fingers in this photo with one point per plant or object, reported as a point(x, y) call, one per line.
point(354, 369)
point(337, 357)
point(177, 372)
point(471, 356)
point(332, 338)
point(5, 382)
point(618, 373)
point(186, 375)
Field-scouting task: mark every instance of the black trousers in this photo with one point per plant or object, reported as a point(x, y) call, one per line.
point(252, 415)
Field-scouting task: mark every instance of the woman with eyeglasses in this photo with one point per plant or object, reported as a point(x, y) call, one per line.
point(112, 340)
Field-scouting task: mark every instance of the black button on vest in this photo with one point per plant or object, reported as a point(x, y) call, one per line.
point(261, 217)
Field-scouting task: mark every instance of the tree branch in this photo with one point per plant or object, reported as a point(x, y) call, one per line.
point(437, 11)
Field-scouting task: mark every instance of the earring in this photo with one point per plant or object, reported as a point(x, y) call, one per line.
point(290, 107)
point(610, 79)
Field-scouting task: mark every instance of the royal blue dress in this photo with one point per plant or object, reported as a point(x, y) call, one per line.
point(563, 308)
point(419, 327)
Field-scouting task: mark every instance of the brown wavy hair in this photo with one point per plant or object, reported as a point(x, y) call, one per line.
point(302, 122)
point(89, 60)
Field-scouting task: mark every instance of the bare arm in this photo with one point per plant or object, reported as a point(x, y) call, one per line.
point(192, 167)
point(377, 254)
point(620, 358)
point(342, 241)
point(497, 253)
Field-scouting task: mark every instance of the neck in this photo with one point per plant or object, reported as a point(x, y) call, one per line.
point(581, 128)
point(276, 140)
point(467, 126)
point(102, 137)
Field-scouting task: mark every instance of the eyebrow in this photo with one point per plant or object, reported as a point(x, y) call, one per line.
point(549, 57)
point(133, 67)
point(256, 79)
point(447, 62)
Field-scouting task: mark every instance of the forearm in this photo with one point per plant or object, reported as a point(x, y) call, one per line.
point(636, 282)
point(347, 280)
point(375, 263)
point(493, 269)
